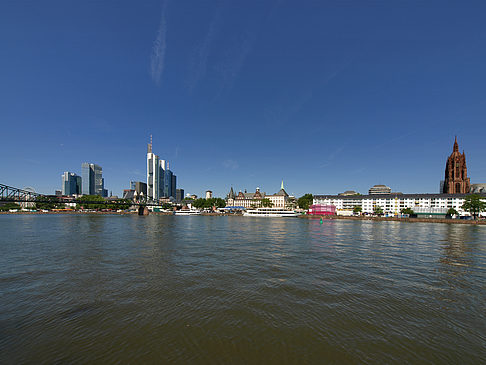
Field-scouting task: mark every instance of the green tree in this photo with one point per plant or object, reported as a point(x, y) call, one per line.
point(202, 203)
point(451, 212)
point(378, 210)
point(267, 203)
point(219, 202)
point(357, 209)
point(199, 203)
point(48, 202)
point(122, 204)
point(305, 201)
point(7, 206)
point(474, 205)
point(167, 206)
point(408, 211)
point(91, 202)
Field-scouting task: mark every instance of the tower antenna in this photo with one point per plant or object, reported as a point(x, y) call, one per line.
point(149, 147)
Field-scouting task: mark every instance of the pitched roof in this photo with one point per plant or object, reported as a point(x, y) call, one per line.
point(281, 192)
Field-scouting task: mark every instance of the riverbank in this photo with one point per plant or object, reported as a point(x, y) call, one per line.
point(75, 212)
point(304, 216)
point(393, 219)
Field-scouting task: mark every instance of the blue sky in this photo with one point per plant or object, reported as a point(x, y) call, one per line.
point(327, 95)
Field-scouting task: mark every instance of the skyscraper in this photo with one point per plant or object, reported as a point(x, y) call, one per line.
point(153, 173)
point(93, 182)
point(71, 183)
point(174, 187)
point(87, 174)
point(179, 195)
point(161, 182)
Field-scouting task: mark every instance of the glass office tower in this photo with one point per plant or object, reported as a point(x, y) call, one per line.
point(93, 182)
point(71, 183)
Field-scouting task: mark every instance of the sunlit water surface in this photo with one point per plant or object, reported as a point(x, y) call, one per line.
point(164, 289)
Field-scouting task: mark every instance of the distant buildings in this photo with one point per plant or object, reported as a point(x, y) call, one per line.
point(137, 191)
point(251, 200)
point(71, 184)
point(179, 195)
point(478, 189)
point(161, 182)
point(280, 199)
point(92, 180)
point(379, 189)
point(348, 193)
point(209, 194)
point(139, 187)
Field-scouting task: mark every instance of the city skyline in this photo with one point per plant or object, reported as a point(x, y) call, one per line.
point(347, 97)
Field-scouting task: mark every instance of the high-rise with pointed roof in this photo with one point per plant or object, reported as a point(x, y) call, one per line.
point(456, 180)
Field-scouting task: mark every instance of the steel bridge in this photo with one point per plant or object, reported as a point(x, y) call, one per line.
point(9, 193)
point(15, 195)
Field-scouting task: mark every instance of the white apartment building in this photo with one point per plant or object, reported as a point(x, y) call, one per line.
point(392, 204)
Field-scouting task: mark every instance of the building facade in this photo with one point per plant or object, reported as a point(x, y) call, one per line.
point(179, 195)
point(456, 180)
point(161, 182)
point(92, 180)
point(392, 204)
point(280, 199)
point(71, 184)
point(478, 188)
point(318, 209)
point(139, 186)
point(254, 200)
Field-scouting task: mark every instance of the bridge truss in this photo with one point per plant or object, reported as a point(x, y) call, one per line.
point(16, 195)
point(9, 193)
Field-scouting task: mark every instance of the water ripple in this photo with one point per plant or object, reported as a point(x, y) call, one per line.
point(160, 289)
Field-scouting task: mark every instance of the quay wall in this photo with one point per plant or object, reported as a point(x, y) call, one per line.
point(394, 219)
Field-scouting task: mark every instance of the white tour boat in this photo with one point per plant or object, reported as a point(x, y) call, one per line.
point(187, 212)
point(270, 212)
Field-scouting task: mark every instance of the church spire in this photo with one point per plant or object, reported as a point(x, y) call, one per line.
point(456, 146)
point(456, 180)
point(282, 186)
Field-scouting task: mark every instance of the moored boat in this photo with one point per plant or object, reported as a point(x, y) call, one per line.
point(187, 212)
point(270, 212)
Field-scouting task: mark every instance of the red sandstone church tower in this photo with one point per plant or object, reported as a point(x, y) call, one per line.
point(456, 180)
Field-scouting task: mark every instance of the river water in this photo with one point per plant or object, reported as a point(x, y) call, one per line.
point(222, 290)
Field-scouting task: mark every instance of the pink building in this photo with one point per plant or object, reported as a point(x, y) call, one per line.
point(319, 209)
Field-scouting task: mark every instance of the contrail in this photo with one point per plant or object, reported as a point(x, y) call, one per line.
point(201, 55)
point(158, 50)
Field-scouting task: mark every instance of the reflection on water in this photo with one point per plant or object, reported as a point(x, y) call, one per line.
point(104, 289)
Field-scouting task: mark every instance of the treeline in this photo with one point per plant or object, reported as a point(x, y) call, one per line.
point(97, 202)
point(93, 202)
point(202, 203)
point(7, 206)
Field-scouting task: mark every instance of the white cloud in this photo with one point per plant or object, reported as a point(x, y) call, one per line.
point(230, 164)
